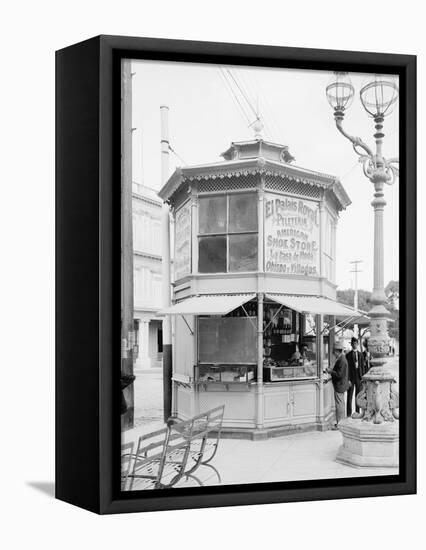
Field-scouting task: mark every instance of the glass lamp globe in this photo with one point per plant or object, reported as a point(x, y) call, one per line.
point(340, 91)
point(379, 96)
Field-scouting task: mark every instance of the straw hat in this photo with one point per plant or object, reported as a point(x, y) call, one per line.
point(339, 345)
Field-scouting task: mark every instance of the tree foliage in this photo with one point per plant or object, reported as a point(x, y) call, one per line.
point(347, 297)
point(392, 287)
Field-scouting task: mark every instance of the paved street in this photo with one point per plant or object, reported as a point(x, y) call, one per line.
point(148, 388)
point(291, 457)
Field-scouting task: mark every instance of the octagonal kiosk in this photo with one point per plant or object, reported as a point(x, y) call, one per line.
point(254, 290)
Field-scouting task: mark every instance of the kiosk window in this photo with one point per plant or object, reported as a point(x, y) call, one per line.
point(212, 254)
point(290, 349)
point(242, 213)
point(226, 340)
point(242, 252)
point(212, 218)
point(328, 323)
point(228, 233)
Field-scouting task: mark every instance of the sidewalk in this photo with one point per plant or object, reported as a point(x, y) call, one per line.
point(293, 457)
point(288, 458)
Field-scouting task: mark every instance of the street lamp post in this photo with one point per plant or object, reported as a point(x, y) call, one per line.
point(377, 399)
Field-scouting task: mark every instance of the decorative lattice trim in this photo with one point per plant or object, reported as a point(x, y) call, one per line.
point(249, 181)
point(292, 187)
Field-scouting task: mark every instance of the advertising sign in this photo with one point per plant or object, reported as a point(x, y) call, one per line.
point(182, 259)
point(291, 236)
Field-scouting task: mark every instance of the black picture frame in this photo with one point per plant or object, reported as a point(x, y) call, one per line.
point(88, 273)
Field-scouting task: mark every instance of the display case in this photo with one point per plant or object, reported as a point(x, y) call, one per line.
point(273, 373)
point(227, 348)
point(225, 374)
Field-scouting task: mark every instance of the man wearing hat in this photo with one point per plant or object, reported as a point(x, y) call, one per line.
point(356, 372)
point(339, 376)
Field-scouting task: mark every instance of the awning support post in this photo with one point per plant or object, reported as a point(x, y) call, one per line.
point(248, 316)
point(344, 323)
point(320, 358)
point(259, 387)
point(187, 324)
point(274, 317)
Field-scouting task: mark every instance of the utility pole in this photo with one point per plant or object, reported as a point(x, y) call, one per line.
point(356, 271)
point(127, 323)
point(167, 326)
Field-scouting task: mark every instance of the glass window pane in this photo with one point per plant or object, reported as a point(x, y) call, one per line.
point(212, 255)
point(243, 212)
point(310, 325)
point(243, 252)
point(326, 352)
point(227, 340)
point(212, 215)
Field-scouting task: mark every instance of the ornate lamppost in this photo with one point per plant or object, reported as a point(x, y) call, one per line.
point(375, 424)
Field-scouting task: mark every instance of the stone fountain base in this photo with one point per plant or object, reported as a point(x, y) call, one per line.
point(369, 444)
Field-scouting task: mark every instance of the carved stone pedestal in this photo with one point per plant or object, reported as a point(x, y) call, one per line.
point(368, 444)
point(371, 437)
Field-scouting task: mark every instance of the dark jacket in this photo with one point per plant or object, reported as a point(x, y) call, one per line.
point(339, 374)
point(355, 374)
point(366, 359)
point(126, 380)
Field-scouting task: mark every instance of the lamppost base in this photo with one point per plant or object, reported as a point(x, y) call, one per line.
point(366, 444)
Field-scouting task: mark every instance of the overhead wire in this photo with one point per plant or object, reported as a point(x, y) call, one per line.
point(234, 96)
point(261, 113)
point(177, 155)
point(240, 83)
point(249, 96)
point(268, 111)
point(243, 93)
point(350, 171)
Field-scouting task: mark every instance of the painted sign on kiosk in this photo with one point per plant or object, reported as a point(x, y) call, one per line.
point(291, 236)
point(182, 259)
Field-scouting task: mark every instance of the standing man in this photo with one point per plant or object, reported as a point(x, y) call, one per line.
point(366, 356)
point(356, 372)
point(339, 375)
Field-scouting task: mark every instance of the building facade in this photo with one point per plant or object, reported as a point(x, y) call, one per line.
point(147, 266)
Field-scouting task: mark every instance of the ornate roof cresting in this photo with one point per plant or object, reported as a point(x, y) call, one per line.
point(254, 157)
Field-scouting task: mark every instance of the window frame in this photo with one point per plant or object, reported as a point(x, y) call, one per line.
point(228, 233)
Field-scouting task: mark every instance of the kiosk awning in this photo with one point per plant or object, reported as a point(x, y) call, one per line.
point(314, 304)
point(207, 305)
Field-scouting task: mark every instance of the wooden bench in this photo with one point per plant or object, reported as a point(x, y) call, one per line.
point(126, 462)
point(166, 456)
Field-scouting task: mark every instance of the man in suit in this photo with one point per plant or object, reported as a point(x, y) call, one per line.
point(357, 370)
point(339, 376)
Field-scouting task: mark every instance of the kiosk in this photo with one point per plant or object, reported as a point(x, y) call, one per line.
point(254, 290)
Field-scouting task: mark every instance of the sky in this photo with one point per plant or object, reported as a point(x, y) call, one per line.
point(204, 119)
